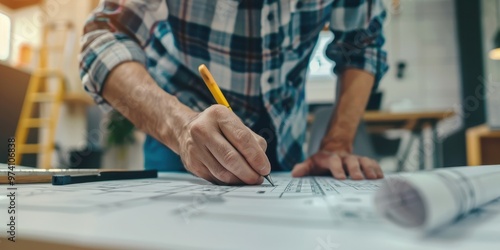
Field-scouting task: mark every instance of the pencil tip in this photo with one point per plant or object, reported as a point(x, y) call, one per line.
point(269, 179)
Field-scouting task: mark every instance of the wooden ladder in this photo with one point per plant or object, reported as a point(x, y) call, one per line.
point(45, 91)
point(38, 93)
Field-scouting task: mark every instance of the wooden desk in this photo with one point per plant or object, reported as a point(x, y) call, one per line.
point(416, 122)
point(483, 146)
point(381, 121)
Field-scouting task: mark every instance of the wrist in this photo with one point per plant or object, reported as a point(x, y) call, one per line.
point(340, 136)
point(340, 145)
point(175, 123)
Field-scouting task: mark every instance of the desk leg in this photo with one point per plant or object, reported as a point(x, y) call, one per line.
point(438, 150)
point(404, 158)
point(421, 150)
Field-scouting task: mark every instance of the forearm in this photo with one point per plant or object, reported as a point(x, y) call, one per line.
point(130, 89)
point(356, 86)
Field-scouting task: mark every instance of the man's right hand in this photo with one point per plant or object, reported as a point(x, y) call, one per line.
point(215, 145)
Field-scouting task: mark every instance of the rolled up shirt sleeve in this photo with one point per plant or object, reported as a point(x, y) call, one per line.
point(357, 26)
point(116, 32)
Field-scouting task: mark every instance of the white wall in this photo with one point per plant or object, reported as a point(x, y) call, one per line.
point(321, 82)
point(26, 29)
point(424, 36)
point(5, 28)
point(28, 26)
point(490, 25)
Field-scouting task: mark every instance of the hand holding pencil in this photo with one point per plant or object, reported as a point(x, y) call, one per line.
point(219, 97)
point(217, 146)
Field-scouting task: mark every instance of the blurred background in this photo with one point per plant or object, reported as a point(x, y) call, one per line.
point(438, 106)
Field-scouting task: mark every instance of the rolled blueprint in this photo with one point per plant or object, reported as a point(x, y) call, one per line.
point(432, 199)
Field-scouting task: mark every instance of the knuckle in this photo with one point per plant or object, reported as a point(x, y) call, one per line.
point(198, 128)
point(353, 161)
point(352, 166)
point(262, 142)
point(352, 158)
point(230, 158)
point(365, 161)
point(364, 158)
point(224, 176)
point(229, 178)
point(217, 110)
point(242, 135)
point(258, 161)
point(217, 171)
point(250, 153)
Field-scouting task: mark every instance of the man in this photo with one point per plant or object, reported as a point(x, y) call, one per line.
point(141, 58)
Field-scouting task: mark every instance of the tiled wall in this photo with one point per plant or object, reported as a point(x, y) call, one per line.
point(490, 25)
point(423, 35)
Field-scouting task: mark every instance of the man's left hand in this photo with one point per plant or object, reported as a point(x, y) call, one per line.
point(339, 165)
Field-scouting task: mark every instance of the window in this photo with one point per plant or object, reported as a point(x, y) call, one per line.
point(320, 64)
point(5, 26)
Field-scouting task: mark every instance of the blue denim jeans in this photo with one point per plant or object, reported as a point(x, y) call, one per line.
point(160, 157)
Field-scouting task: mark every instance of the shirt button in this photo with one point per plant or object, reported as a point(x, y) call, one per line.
point(299, 5)
point(270, 79)
point(270, 17)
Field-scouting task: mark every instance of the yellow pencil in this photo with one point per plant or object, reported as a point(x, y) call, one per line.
point(212, 86)
point(219, 97)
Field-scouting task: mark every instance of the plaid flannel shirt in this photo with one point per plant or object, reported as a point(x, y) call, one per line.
point(257, 50)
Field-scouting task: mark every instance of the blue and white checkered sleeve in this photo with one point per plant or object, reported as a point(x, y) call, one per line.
point(357, 27)
point(116, 32)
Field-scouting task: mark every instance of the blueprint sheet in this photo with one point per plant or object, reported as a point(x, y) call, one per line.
point(179, 211)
